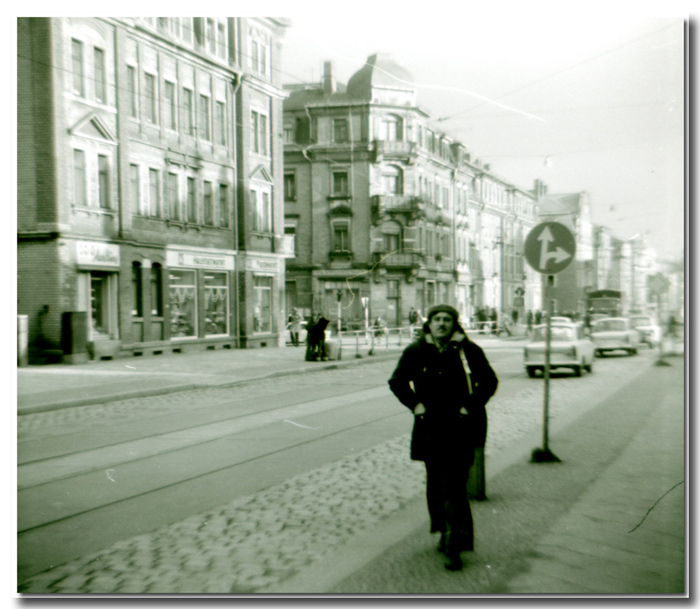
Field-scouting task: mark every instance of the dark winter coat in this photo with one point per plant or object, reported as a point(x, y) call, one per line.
point(438, 380)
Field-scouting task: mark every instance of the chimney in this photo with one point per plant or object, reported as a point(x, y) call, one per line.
point(328, 80)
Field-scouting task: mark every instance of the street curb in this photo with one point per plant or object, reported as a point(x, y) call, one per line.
point(143, 393)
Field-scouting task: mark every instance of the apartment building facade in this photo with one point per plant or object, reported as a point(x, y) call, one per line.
point(142, 156)
point(390, 214)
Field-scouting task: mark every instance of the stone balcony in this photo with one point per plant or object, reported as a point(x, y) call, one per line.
point(390, 150)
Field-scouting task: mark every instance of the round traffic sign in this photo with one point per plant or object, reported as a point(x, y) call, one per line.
point(550, 247)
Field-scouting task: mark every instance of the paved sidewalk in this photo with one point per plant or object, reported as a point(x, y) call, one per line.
point(51, 387)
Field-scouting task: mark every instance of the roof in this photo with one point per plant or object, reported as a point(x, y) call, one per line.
point(570, 203)
point(380, 70)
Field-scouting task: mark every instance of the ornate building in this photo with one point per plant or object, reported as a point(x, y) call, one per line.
point(149, 183)
point(388, 213)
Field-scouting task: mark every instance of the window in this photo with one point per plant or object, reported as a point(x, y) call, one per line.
point(259, 53)
point(223, 206)
point(262, 306)
point(188, 111)
point(261, 200)
point(392, 180)
point(170, 108)
point(103, 181)
point(137, 289)
point(220, 123)
point(216, 303)
point(204, 118)
point(340, 186)
point(79, 177)
point(290, 187)
point(392, 129)
point(211, 35)
point(154, 192)
point(157, 290)
point(341, 236)
point(77, 64)
point(173, 196)
point(291, 229)
point(100, 78)
point(288, 133)
point(340, 130)
point(132, 90)
point(150, 98)
point(183, 303)
point(391, 242)
point(259, 132)
point(222, 41)
point(135, 187)
point(208, 204)
point(191, 201)
point(392, 288)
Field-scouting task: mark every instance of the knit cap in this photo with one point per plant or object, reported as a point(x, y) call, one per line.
point(443, 308)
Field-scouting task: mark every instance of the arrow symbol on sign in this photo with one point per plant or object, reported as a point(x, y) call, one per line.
point(559, 254)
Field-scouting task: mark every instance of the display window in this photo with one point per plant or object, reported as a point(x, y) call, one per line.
point(216, 303)
point(183, 304)
point(262, 310)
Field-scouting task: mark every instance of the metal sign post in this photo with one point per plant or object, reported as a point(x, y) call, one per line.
point(549, 249)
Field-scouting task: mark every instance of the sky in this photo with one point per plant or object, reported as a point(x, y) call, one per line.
point(584, 101)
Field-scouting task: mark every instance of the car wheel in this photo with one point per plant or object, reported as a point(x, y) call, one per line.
point(531, 371)
point(577, 370)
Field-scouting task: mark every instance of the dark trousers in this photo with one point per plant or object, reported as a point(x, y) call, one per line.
point(448, 503)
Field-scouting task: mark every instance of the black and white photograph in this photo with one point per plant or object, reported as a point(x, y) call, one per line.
point(351, 302)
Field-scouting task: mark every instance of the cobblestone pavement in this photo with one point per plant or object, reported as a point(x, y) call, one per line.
point(257, 540)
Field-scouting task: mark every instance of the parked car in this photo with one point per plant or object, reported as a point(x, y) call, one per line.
point(569, 348)
point(561, 320)
point(614, 334)
point(649, 331)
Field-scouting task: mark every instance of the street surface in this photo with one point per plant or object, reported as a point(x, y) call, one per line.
point(235, 489)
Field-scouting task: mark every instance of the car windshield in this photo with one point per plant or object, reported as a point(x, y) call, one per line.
point(610, 325)
point(559, 334)
point(638, 322)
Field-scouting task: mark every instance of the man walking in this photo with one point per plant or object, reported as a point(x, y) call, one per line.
point(445, 380)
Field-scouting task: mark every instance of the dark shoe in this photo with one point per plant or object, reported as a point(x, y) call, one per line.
point(454, 562)
point(442, 545)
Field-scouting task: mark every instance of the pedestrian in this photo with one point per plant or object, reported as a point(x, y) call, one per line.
point(316, 339)
point(295, 320)
point(529, 321)
point(538, 317)
point(445, 380)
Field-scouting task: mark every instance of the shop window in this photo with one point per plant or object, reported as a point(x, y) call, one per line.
point(262, 311)
point(183, 304)
point(216, 303)
point(137, 288)
point(157, 290)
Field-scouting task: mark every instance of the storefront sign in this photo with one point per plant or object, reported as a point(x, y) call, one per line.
point(264, 265)
point(95, 254)
point(199, 260)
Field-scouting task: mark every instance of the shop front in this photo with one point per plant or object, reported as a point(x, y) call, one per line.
point(200, 296)
point(263, 289)
point(98, 267)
